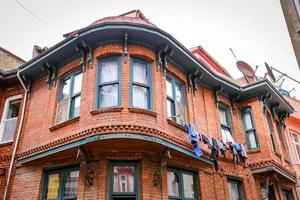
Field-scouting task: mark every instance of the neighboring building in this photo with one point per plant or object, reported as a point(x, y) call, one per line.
point(11, 94)
point(291, 11)
point(104, 116)
point(293, 135)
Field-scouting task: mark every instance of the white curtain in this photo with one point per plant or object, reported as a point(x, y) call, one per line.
point(109, 95)
point(248, 121)
point(140, 96)
point(140, 74)
point(109, 71)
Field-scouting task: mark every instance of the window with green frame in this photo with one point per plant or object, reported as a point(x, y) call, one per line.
point(235, 188)
point(224, 119)
point(123, 180)
point(61, 184)
point(109, 82)
point(175, 99)
point(140, 84)
point(182, 185)
point(69, 97)
point(271, 130)
point(250, 129)
point(287, 194)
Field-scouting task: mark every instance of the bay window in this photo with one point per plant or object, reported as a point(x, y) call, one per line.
point(69, 97)
point(109, 79)
point(175, 99)
point(9, 118)
point(140, 87)
point(250, 130)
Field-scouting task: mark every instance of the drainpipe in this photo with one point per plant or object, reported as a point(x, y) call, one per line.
point(18, 137)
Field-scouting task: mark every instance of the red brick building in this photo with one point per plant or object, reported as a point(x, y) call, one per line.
point(104, 119)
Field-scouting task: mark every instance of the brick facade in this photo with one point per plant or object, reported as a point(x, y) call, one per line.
point(130, 134)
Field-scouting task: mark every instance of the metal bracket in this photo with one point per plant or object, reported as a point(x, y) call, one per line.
point(125, 48)
point(86, 161)
point(157, 176)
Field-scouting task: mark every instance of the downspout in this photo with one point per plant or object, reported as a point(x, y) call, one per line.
point(18, 137)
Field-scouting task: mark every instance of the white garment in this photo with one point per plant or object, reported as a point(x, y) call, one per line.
point(227, 137)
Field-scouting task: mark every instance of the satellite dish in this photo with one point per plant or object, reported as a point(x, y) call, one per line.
point(245, 69)
point(270, 73)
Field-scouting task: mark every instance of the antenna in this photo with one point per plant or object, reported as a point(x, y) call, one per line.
point(246, 70)
point(233, 54)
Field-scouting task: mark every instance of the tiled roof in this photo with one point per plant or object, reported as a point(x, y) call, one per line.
point(9, 61)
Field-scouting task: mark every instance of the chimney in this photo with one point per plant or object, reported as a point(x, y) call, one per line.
point(37, 50)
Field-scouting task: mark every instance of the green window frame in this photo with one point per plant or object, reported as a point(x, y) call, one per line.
point(176, 112)
point(67, 103)
point(183, 193)
point(123, 165)
point(135, 84)
point(271, 130)
point(223, 112)
point(64, 185)
point(106, 84)
point(250, 129)
point(235, 185)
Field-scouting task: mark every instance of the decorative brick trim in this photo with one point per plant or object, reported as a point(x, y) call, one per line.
point(107, 110)
point(65, 123)
point(6, 157)
point(143, 111)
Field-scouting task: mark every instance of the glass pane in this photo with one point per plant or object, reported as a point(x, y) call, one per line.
point(140, 97)
point(9, 129)
point(140, 74)
point(248, 121)
point(295, 138)
point(233, 191)
point(173, 184)
point(109, 95)
point(123, 179)
point(169, 88)
point(298, 151)
point(65, 93)
point(188, 184)
point(252, 140)
point(76, 108)
point(71, 185)
point(170, 108)
point(178, 92)
point(223, 116)
point(109, 71)
point(13, 109)
point(53, 186)
point(77, 83)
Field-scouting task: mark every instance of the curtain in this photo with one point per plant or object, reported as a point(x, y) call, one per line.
point(188, 183)
point(248, 121)
point(109, 95)
point(140, 97)
point(109, 71)
point(140, 74)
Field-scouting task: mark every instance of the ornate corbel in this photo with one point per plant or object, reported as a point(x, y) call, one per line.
point(46, 69)
point(125, 48)
point(218, 92)
point(157, 176)
point(86, 161)
point(234, 101)
point(274, 109)
point(265, 100)
point(54, 75)
point(89, 50)
point(283, 117)
point(81, 50)
point(194, 80)
point(190, 82)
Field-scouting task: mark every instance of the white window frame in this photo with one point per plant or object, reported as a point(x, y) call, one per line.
point(5, 110)
point(294, 145)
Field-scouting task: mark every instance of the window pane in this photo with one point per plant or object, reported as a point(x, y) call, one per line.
point(248, 121)
point(109, 95)
point(13, 109)
point(170, 108)
point(53, 186)
point(140, 97)
point(9, 129)
point(233, 191)
point(123, 179)
point(71, 185)
point(109, 71)
point(140, 74)
point(223, 116)
point(77, 83)
point(295, 138)
point(178, 92)
point(173, 184)
point(169, 88)
point(63, 111)
point(65, 93)
point(298, 150)
point(76, 106)
point(252, 140)
point(188, 184)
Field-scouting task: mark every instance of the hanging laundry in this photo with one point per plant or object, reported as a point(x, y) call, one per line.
point(227, 137)
point(205, 139)
point(244, 153)
point(222, 148)
point(194, 138)
point(215, 153)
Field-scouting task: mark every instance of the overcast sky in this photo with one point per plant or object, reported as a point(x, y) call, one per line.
point(254, 29)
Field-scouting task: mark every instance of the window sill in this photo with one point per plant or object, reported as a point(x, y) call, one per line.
point(175, 124)
point(7, 143)
point(253, 151)
point(143, 111)
point(107, 110)
point(65, 123)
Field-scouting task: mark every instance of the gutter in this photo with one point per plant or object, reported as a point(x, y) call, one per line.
point(18, 137)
